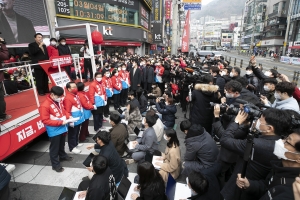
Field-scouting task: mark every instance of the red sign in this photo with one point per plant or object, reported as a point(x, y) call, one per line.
point(64, 61)
point(153, 47)
point(168, 7)
point(20, 136)
point(186, 34)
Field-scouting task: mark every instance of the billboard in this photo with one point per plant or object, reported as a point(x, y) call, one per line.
point(157, 33)
point(21, 19)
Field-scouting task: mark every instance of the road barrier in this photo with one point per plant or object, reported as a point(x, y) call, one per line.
point(234, 61)
point(241, 64)
point(275, 67)
point(296, 77)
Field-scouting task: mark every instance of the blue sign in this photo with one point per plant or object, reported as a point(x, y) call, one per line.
point(192, 6)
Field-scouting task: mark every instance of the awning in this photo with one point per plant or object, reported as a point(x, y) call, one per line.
point(71, 41)
point(295, 47)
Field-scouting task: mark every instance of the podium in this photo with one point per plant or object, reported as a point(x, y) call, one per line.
point(55, 69)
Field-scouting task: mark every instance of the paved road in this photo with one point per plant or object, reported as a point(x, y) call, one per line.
point(35, 179)
point(267, 63)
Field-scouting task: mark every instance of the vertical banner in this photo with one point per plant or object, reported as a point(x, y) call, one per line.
point(186, 34)
point(168, 8)
point(157, 33)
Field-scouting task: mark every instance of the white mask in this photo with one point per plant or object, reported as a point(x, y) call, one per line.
point(63, 43)
point(153, 86)
point(223, 73)
point(107, 75)
point(53, 43)
point(165, 137)
point(267, 73)
point(116, 74)
point(257, 125)
point(231, 74)
point(98, 79)
point(123, 69)
point(57, 99)
point(119, 69)
point(248, 72)
point(228, 95)
point(166, 86)
point(266, 88)
point(280, 150)
point(277, 96)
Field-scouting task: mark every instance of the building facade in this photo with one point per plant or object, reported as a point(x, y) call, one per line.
point(294, 31)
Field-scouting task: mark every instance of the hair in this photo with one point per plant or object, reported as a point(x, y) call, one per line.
point(279, 119)
point(215, 70)
point(198, 182)
point(297, 144)
point(62, 38)
point(99, 164)
point(131, 93)
point(271, 81)
point(170, 100)
point(38, 34)
point(57, 90)
point(104, 136)
point(173, 138)
point(80, 86)
point(233, 86)
point(150, 178)
point(237, 70)
point(287, 87)
point(114, 71)
point(97, 73)
point(185, 125)
point(274, 72)
point(242, 80)
point(68, 85)
point(207, 78)
point(139, 92)
point(7, 75)
point(115, 118)
point(53, 39)
point(151, 120)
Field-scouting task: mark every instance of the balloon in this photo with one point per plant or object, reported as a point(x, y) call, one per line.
point(97, 37)
point(11, 70)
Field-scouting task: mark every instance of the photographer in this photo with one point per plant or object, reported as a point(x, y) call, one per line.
point(168, 112)
point(272, 124)
point(203, 93)
point(218, 79)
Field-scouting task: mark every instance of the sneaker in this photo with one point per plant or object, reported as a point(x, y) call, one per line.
point(6, 118)
point(60, 169)
point(69, 158)
point(79, 145)
point(129, 161)
point(76, 151)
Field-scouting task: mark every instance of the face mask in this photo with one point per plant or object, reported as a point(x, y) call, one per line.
point(63, 43)
point(74, 91)
point(165, 137)
point(53, 43)
point(228, 95)
point(166, 86)
point(153, 86)
point(280, 150)
point(248, 72)
point(231, 74)
point(123, 69)
point(57, 99)
point(116, 74)
point(119, 69)
point(98, 79)
point(267, 73)
point(107, 75)
point(143, 122)
point(266, 88)
point(277, 96)
point(257, 125)
point(223, 73)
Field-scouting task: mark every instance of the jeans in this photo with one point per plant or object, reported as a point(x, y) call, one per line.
point(116, 101)
point(97, 121)
point(4, 192)
point(57, 150)
point(2, 102)
point(124, 97)
point(73, 133)
point(138, 156)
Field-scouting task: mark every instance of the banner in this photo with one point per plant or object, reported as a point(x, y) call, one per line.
point(157, 33)
point(186, 34)
point(168, 8)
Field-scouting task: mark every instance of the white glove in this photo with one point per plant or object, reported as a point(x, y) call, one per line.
point(95, 107)
point(105, 103)
point(71, 124)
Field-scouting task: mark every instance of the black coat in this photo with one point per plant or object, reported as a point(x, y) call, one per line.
point(148, 74)
point(201, 112)
point(115, 162)
point(168, 114)
point(143, 103)
point(11, 87)
point(257, 169)
point(220, 81)
point(260, 75)
point(24, 26)
point(135, 79)
point(249, 96)
point(63, 50)
point(148, 194)
point(4, 177)
point(37, 54)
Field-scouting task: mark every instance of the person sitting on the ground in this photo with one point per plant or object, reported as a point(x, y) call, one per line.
point(142, 100)
point(171, 157)
point(134, 117)
point(102, 185)
point(118, 133)
point(158, 126)
point(131, 97)
point(168, 112)
point(148, 142)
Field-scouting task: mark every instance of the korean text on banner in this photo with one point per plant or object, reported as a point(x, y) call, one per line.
point(186, 34)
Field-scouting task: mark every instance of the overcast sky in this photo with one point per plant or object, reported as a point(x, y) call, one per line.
point(204, 2)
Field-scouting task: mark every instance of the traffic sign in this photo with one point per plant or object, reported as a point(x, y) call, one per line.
point(191, 1)
point(192, 6)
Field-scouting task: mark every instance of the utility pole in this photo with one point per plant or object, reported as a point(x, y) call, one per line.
point(175, 40)
point(240, 33)
point(254, 26)
point(288, 27)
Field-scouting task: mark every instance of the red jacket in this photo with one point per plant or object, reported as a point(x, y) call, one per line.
point(98, 88)
point(49, 109)
point(85, 101)
point(116, 83)
point(71, 101)
point(124, 75)
point(175, 89)
point(106, 82)
point(52, 51)
point(159, 70)
point(296, 94)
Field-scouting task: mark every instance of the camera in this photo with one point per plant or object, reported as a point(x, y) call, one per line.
point(223, 107)
point(252, 110)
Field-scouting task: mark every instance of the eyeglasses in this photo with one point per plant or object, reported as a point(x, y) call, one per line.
point(286, 141)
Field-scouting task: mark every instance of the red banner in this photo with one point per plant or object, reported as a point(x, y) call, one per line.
point(153, 47)
point(65, 60)
point(186, 34)
point(168, 7)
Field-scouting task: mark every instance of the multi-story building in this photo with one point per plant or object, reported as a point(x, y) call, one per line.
point(275, 25)
point(212, 32)
point(294, 31)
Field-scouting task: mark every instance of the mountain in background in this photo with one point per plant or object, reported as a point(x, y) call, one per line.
point(221, 9)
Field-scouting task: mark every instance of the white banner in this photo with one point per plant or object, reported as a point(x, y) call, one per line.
point(293, 60)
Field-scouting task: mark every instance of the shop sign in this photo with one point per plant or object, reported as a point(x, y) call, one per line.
point(296, 43)
point(153, 47)
point(168, 8)
point(157, 11)
point(107, 31)
point(157, 33)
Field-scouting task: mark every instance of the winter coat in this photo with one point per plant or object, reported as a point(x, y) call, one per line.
point(118, 135)
point(86, 104)
point(258, 168)
point(4, 177)
point(63, 49)
point(156, 92)
point(220, 81)
point(97, 94)
point(134, 120)
point(148, 142)
point(136, 78)
point(143, 103)
point(148, 74)
point(201, 153)
point(125, 78)
point(171, 163)
point(253, 80)
point(148, 194)
point(73, 107)
point(52, 51)
point(246, 95)
point(287, 104)
point(117, 84)
point(168, 114)
point(201, 113)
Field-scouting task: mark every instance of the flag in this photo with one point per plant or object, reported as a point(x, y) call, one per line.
point(186, 34)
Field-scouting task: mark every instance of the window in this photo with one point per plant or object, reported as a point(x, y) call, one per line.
point(224, 36)
point(283, 5)
point(229, 36)
point(275, 8)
